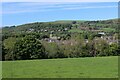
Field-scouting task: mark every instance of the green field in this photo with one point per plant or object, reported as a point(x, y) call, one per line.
point(108, 29)
point(76, 31)
point(96, 67)
point(0, 70)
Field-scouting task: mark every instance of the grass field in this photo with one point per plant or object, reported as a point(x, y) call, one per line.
point(0, 70)
point(76, 31)
point(96, 67)
point(108, 29)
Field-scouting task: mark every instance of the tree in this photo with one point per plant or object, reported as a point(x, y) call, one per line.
point(29, 48)
point(101, 47)
point(114, 49)
point(3, 51)
point(52, 50)
point(8, 48)
point(74, 22)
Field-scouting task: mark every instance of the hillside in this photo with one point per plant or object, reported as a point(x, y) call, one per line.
point(37, 26)
point(64, 38)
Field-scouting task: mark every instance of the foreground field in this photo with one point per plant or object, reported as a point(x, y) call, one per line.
point(99, 67)
point(0, 70)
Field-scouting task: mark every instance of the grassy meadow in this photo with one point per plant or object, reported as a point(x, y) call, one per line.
point(76, 30)
point(0, 70)
point(95, 67)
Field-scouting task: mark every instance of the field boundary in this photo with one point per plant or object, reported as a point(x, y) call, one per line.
point(60, 79)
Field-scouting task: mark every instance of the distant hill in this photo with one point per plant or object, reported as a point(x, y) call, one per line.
point(58, 25)
point(60, 39)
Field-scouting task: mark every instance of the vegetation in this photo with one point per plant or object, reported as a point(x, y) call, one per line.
point(108, 29)
point(76, 31)
point(60, 39)
point(62, 68)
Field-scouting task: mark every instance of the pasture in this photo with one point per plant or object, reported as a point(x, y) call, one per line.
point(93, 67)
point(109, 29)
point(76, 31)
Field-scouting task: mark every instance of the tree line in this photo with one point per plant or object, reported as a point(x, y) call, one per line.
point(29, 47)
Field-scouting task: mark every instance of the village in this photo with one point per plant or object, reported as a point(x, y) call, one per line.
point(100, 35)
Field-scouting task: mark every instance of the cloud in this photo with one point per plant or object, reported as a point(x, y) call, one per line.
point(29, 7)
point(26, 7)
point(89, 7)
point(60, 0)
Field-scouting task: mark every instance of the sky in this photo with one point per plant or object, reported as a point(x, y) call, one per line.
point(16, 13)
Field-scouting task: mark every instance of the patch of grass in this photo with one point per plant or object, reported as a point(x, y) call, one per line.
point(76, 31)
point(96, 67)
point(0, 70)
point(108, 29)
point(70, 21)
